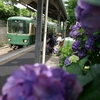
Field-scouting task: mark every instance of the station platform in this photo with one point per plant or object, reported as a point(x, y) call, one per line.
point(53, 61)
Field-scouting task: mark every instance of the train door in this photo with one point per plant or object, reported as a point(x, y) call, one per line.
point(32, 32)
point(32, 29)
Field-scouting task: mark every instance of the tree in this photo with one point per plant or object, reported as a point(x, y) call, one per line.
point(10, 2)
point(6, 11)
point(71, 4)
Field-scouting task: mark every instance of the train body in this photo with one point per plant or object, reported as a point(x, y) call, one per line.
point(21, 31)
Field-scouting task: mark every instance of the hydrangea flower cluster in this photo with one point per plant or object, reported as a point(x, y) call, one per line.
point(37, 82)
point(74, 32)
point(86, 31)
point(71, 59)
point(89, 16)
point(56, 50)
point(76, 45)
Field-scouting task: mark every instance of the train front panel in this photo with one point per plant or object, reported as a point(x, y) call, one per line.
point(19, 31)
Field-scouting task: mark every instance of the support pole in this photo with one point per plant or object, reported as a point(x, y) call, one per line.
point(65, 29)
point(58, 25)
point(45, 31)
point(38, 32)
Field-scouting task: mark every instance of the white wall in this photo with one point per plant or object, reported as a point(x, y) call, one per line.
point(3, 31)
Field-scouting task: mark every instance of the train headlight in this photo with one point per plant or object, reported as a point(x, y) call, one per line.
point(25, 41)
point(9, 39)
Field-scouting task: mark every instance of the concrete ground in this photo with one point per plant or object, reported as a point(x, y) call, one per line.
point(53, 61)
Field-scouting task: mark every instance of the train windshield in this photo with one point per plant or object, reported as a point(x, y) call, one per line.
point(18, 26)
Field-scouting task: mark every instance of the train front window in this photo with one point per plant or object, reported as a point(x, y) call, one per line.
point(18, 26)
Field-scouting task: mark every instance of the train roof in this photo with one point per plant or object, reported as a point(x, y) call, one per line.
point(29, 19)
point(21, 18)
point(51, 23)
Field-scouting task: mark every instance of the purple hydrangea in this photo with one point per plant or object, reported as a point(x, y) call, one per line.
point(37, 82)
point(76, 45)
point(74, 33)
point(56, 50)
point(76, 26)
point(82, 52)
point(67, 62)
point(78, 11)
point(84, 5)
point(89, 44)
point(89, 16)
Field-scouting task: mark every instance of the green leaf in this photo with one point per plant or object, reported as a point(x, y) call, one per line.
point(91, 84)
point(74, 68)
point(83, 61)
point(92, 73)
point(84, 79)
point(98, 45)
point(90, 81)
point(91, 91)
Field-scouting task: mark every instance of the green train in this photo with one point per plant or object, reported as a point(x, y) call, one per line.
point(21, 31)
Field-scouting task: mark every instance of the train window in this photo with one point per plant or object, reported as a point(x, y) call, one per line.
point(18, 26)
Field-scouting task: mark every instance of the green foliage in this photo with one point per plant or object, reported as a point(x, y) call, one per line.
point(91, 88)
point(71, 4)
point(65, 51)
point(6, 11)
point(25, 12)
point(90, 81)
point(74, 68)
point(83, 61)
